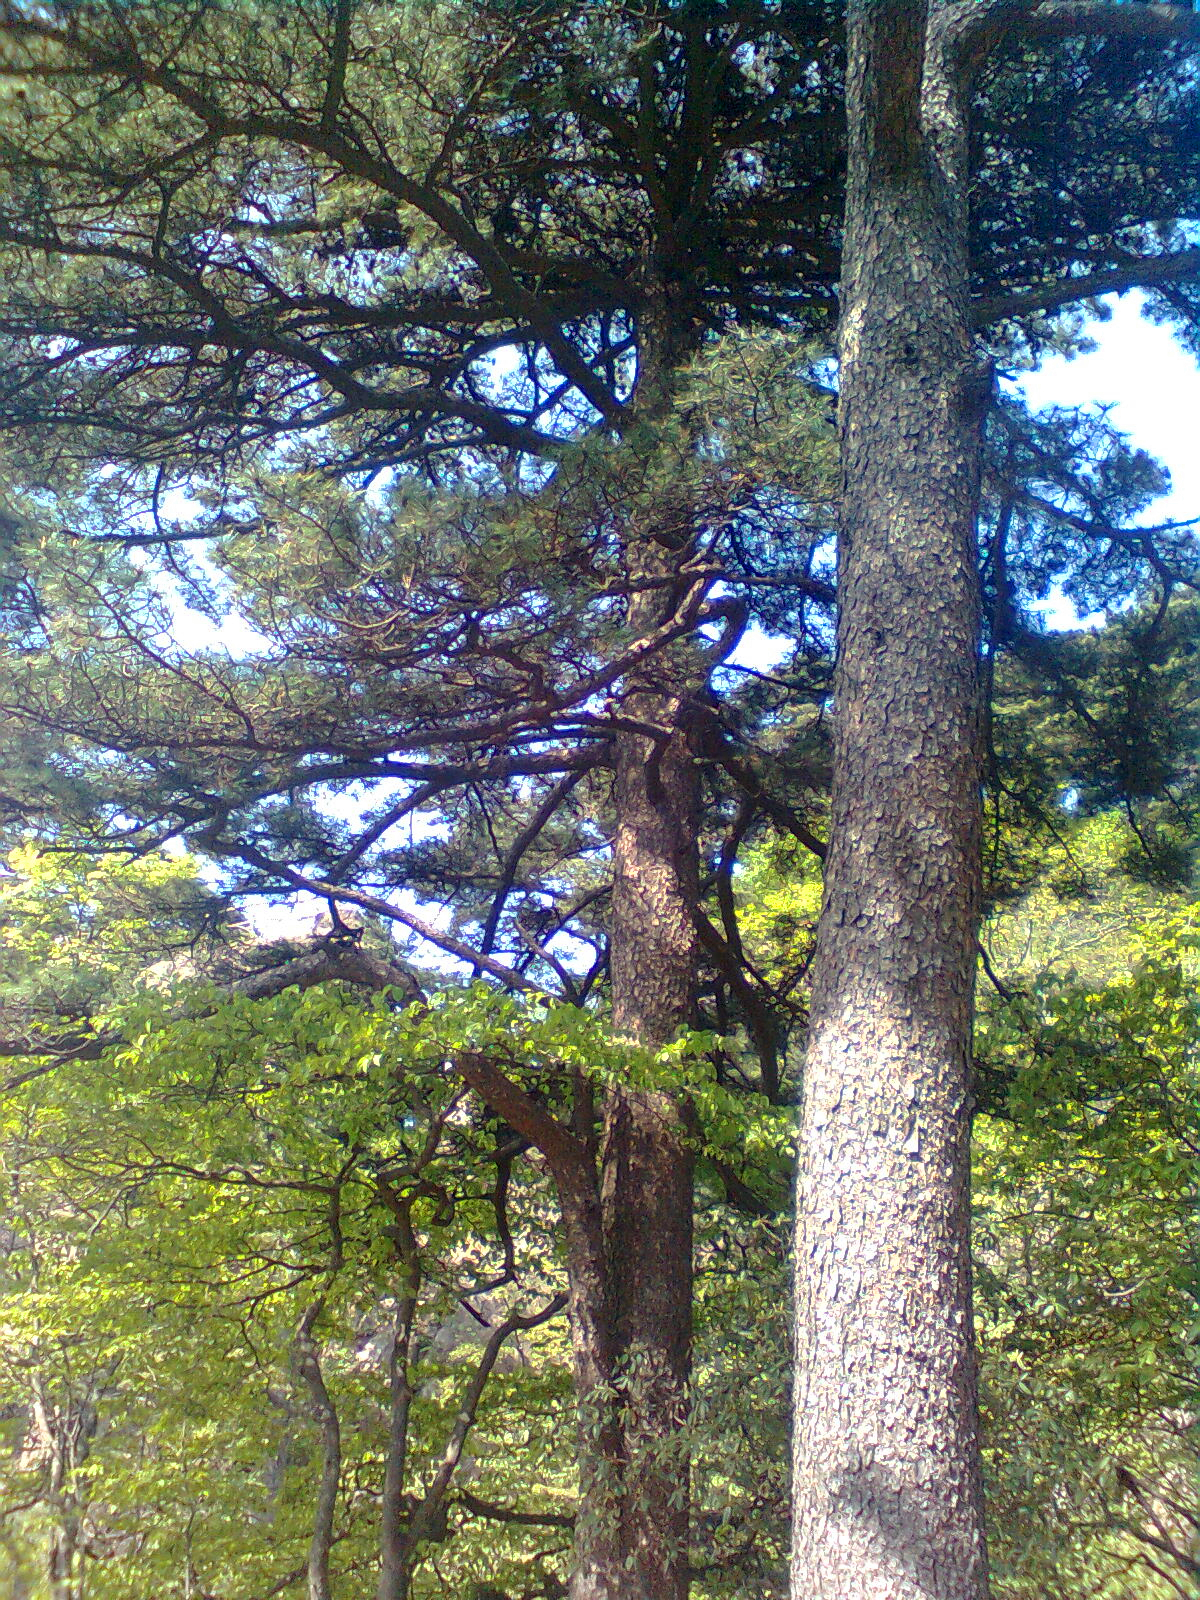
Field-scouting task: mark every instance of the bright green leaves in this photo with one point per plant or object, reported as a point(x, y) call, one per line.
point(1087, 1248)
point(77, 931)
point(181, 1202)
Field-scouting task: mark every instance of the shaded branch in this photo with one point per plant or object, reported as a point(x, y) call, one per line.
point(971, 30)
point(425, 1514)
point(520, 1519)
point(762, 1024)
point(567, 1155)
point(1145, 274)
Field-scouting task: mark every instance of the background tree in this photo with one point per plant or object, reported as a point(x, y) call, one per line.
point(513, 233)
point(1084, 1228)
point(260, 1271)
point(1041, 1436)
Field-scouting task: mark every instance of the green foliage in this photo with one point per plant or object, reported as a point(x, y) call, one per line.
point(76, 931)
point(1086, 1234)
point(780, 900)
point(1088, 1273)
point(177, 1207)
point(738, 1432)
point(1111, 716)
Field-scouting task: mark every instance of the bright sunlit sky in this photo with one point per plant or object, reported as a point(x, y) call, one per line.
point(1153, 387)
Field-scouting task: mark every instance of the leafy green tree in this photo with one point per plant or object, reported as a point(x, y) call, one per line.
point(202, 1226)
point(1086, 1144)
point(240, 1250)
point(280, 1293)
point(1085, 1232)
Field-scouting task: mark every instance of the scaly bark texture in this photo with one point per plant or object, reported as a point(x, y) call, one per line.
point(634, 1255)
point(633, 1350)
point(624, 1170)
point(887, 1487)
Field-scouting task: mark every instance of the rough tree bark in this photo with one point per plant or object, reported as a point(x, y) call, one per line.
point(624, 1170)
point(646, 1165)
point(632, 1528)
point(887, 1485)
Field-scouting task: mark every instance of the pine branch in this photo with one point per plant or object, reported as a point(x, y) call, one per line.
point(973, 29)
point(1066, 19)
point(1144, 274)
point(340, 893)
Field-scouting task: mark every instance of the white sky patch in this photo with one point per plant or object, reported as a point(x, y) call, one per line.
point(1153, 387)
point(295, 917)
point(232, 634)
point(358, 804)
point(759, 650)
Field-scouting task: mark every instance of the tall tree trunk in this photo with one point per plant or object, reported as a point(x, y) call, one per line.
point(887, 1487)
point(627, 1205)
point(634, 1247)
point(632, 1540)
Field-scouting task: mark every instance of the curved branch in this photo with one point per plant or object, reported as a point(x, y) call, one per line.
point(325, 890)
point(971, 30)
point(426, 1513)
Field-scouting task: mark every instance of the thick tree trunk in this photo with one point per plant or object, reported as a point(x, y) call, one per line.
point(647, 1159)
point(633, 1365)
point(887, 1491)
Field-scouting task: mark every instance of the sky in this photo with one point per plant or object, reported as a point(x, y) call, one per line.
point(1153, 387)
